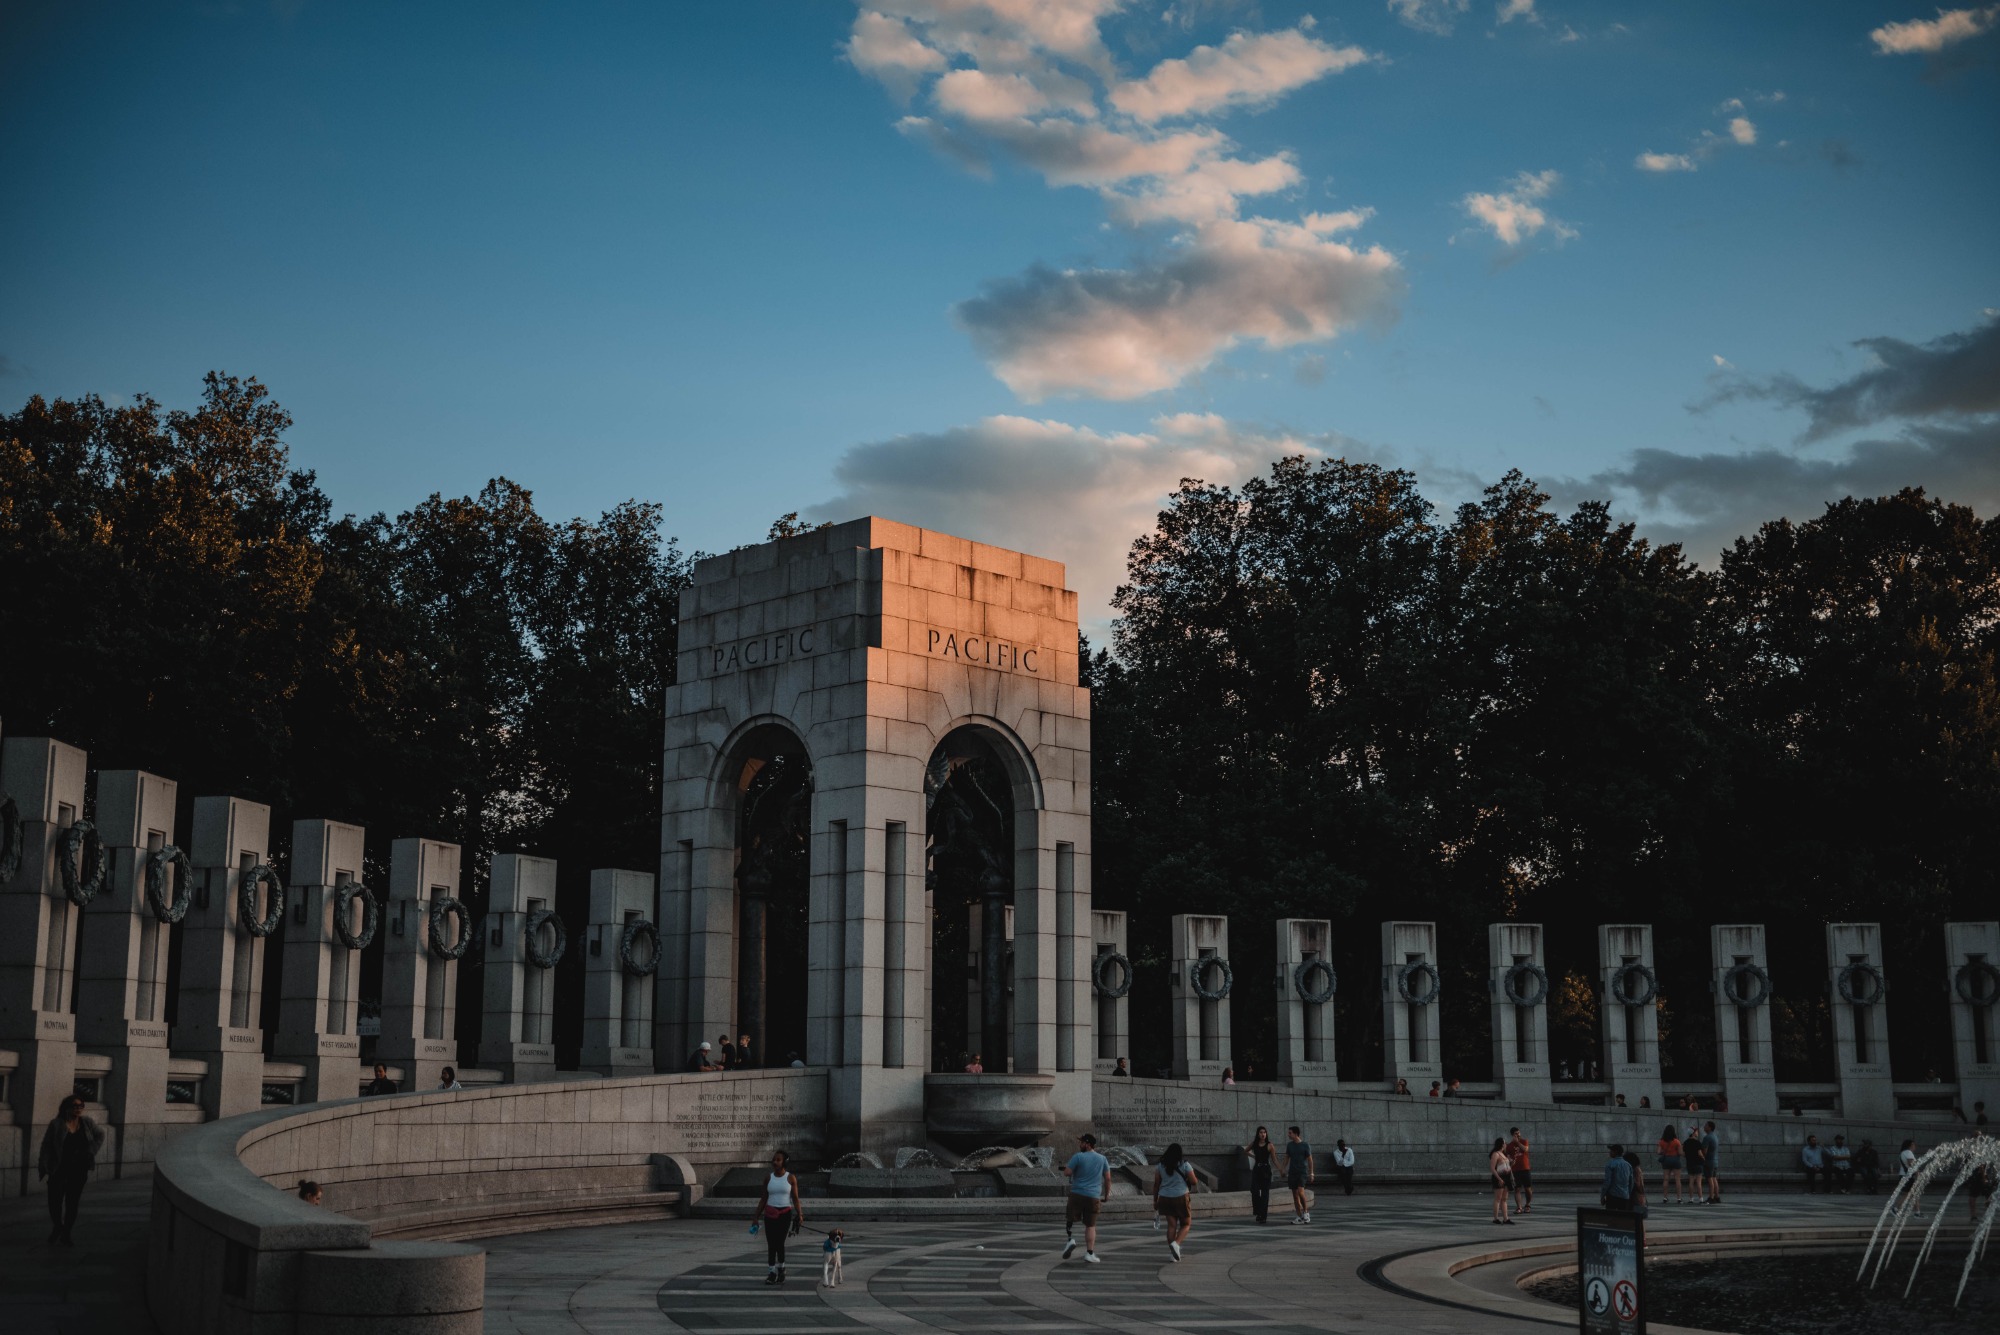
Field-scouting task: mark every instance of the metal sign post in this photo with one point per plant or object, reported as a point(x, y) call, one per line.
point(1611, 1272)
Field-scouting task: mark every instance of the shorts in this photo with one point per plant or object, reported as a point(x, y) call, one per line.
point(1524, 1178)
point(1083, 1210)
point(1295, 1180)
point(1175, 1207)
point(1671, 1162)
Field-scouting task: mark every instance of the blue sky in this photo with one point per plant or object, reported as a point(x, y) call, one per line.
point(1013, 267)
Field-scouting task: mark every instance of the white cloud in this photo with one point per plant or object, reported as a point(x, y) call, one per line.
point(1742, 131)
point(1515, 214)
point(1062, 491)
point(1031, 83)
point(1247, 70)
point(1930, 36)
point(1436, 16)
point(1722, 362)
point(884, 48)
point(1122, 333)
point(1509, 10)
point(1664, 162)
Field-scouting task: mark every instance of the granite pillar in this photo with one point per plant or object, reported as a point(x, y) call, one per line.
point(519, 994)
point(419, 980)
point(1628, 989)
point(617, 1002)
point(989, 979)
point(319, 992)
point(1201, 1024)
point(38, 928)
point(1114, 1026)
point(1858, 996)
point(1305, 1023)
point(1972, 972)
point(1410, 985)
point(121, 1010)
point(1741, 981)
point(1518, 987)
point(220, 1018)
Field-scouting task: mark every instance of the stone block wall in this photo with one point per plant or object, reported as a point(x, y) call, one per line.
point(1418, 1139)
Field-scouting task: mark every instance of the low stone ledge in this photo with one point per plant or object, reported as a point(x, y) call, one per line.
point(395, 1279)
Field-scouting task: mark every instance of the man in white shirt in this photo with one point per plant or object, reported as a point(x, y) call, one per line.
point(1343, 1166)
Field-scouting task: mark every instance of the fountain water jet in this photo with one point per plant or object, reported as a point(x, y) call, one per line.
point(1960, 1161)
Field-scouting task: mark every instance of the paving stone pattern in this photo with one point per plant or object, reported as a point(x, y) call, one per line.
point(1276, 1279)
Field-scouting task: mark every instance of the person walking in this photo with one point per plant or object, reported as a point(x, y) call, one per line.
point(1089, 1175)
point(1298, 1173)
point(1173, 1182)
point(975, 1066)
point(448, 1081)
point(1263, 1157)
point(1710, 1161)
point(1672, 1161)
point(1502, 1174)
point(779, 1214)
point(67, 1158)
point(1906, 1167)
point(1615, 1192)
point(1121, 1070)
point(1229, 1077)
point(1343, 1166)
point(310, 1192)
point(1518, 1151)
point(381, 1084)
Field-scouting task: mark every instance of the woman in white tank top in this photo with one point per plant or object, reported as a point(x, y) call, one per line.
point(779, 1211)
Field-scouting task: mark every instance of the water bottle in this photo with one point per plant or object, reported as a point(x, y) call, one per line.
point(755, 1224)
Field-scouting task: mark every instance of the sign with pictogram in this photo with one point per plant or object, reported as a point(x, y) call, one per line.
point(1611, 1270)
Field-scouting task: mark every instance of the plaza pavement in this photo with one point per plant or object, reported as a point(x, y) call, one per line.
point(909, 1278)
point(906, 1279)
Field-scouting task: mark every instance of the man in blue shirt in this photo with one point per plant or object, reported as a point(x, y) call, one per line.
point(1616, 1193)
point(1813, 1159)
point(1089, 1175)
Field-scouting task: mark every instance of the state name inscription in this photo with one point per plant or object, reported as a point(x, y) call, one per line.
point(987, 651)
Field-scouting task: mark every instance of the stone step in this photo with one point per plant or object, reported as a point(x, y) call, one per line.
point(526, 1213)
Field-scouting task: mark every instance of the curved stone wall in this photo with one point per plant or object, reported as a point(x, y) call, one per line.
point(234, 1250)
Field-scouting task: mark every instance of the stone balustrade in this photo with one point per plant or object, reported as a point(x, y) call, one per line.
point(234, 1250)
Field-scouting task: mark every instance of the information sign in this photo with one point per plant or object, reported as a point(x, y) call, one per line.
point(1611, 1272)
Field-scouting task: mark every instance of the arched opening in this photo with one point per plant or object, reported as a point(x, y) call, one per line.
point(772, 780)
point(970, 799)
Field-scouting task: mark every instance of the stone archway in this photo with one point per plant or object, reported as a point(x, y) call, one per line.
point(970, 814)
point(770, 775)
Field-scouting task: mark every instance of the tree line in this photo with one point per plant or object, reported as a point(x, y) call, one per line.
point(1323, 698)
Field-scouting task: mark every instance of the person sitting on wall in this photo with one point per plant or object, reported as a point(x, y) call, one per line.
point(381, 1084)
point(699, 1060)
point(1813, 1159)
point(1840, 1165)
point(1122, 1069)
point(1868, 1163)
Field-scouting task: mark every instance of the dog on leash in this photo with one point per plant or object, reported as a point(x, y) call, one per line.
point(830, 1259)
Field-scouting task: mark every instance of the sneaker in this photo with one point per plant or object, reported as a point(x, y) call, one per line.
point(1156, 1223)
point(1298, 1219)
point(1175, 1248)
point(1307, 1217)
point(1069, 1247)
point(1506, 1221)
point(781, 1274)
point(771, 1276)
point(1093, 1258)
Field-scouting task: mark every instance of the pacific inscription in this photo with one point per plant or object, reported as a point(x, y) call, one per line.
point(987, 651)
